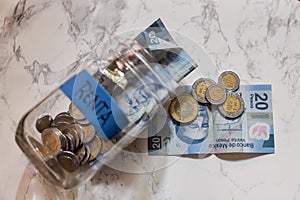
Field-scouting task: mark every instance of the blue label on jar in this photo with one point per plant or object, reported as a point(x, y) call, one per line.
point(95, 104)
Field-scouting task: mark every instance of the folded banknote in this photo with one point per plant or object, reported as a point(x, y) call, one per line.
point(211, 133)
point(161, 45)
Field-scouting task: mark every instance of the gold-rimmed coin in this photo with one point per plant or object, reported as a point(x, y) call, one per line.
point(215, 94)
point(68, 161)
point(230, 80)
point(233, 106)
point(43, 122)
point(199, 88)
point(184, 108)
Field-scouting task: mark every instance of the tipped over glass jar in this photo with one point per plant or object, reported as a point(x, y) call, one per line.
point(102, 108)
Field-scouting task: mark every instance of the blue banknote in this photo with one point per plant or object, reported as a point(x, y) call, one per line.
point(211, 133)
point(175, 60)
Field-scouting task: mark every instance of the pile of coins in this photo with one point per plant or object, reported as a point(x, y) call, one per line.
point(222, 94)
point(71, 138)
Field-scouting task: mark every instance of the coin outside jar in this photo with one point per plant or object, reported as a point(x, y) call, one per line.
point(199, 89)
point(233, 107)
point(184, 108)
point(215, 94)
point(230, 80)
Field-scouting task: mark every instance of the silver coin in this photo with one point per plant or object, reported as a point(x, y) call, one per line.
point(53, 139)
point(215, 94)
point(199, 89)
point(68, 161)
point(230, 80)
point(89, 132)
point(233, 106)
point(43, 123)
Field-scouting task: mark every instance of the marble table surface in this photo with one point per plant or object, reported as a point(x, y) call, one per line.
point(258, 39)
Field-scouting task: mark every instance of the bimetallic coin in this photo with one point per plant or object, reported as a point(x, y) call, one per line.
point(87, 155)
point(61, 126)
point(68, 161)
point(71, 143)
point(215, 94)
point(63, 118)
point(95, 147)
point(53, 139)
point(88, 132)
point(43, 122)
point(233, 107)
point(81, 153)
point(38, 147)
point(199, 89)
point(106, 145)
point(184, 108)
point(76, 132)
point(230, 80)
point(75, 112)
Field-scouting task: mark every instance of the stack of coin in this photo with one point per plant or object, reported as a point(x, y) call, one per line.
point(222, 94)
point(69, 137)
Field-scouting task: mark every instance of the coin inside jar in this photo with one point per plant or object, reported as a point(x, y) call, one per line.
point(43, 122)
point(199, 89)
point(230, 80)
point(53, 139)
point(81, 153)
point(94, 147)
point(76, 132)
point(184, 108)
point(233, 107)
point(106, 145)
point(88, 132)
point(215, 94)
point(75, 112)
point(38, 147)
point(68, 161)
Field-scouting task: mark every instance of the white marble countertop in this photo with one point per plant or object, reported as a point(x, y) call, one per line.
point(258, 39)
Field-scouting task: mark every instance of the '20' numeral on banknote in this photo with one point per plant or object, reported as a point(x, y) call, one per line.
point(260, 101)
point(154, 143)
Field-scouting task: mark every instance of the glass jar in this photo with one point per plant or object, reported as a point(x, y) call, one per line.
point(102, 108)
